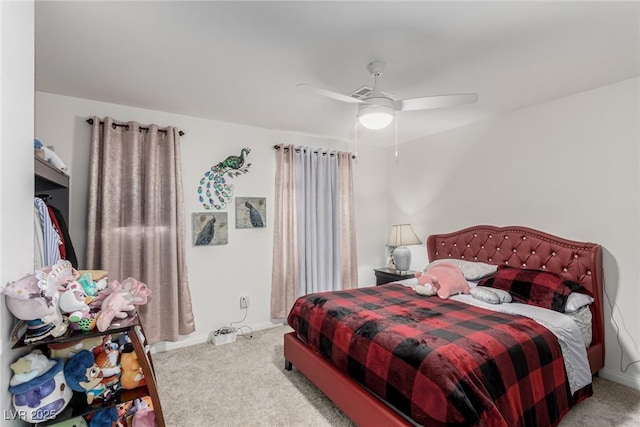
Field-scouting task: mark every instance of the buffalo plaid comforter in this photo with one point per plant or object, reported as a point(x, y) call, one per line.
point(440, 362)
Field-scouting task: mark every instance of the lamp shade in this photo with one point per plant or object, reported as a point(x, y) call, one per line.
point(402, 235)
point(375, 116)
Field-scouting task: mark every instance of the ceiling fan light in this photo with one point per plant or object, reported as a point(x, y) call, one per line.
point(375, 117)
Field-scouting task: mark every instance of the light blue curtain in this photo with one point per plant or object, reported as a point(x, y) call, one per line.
point(317, 206)
point(314, 241)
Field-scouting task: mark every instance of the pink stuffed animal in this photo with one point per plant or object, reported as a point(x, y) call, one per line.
point(427, 284)
point(446, 278)
point(122, 299)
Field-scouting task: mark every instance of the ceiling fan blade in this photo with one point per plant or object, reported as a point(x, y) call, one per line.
point(330, 94)
point(437, 101)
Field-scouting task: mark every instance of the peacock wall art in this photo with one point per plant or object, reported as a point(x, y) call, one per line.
point(214, 192)
point(251, 212)
point(209, 228)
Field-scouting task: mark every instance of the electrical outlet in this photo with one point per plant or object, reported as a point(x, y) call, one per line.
point(244, 301)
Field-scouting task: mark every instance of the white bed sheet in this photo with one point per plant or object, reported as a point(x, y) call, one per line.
point(562, 326)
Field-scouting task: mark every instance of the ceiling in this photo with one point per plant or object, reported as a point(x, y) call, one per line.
point(241, 61)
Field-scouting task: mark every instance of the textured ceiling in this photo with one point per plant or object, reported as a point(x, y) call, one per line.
point(241, 61)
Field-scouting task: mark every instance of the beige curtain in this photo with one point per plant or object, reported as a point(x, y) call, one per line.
point(314, 236)
point(136, 224)
point(284, 274)
point(349, 256)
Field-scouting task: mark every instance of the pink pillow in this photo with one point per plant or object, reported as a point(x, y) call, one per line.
point(450, 279)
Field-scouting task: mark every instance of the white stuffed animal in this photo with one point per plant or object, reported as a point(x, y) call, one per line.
point(50, 155)
point(426, 290)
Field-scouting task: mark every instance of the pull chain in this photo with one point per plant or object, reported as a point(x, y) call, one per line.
point(356, 126)
point(396, 124)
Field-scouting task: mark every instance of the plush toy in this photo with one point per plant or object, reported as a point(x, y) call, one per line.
point(49, 154)
point(74, 301)
point(107, 357)
point(449, 279)
point(39, 387)
point(105, 417)
point(122, 299)
point(144, 415)
point(131, 375)
point(427, 284)
point(84, 375)
point(66, 350)
point(34, 298)
point(88, 285)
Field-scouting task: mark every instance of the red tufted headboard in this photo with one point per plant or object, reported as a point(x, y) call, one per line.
point(527, 248)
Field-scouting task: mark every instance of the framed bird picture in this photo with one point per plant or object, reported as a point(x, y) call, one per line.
point(251, 212)
point(209, 228)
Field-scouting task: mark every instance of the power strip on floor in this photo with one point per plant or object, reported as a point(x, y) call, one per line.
point(223, 336)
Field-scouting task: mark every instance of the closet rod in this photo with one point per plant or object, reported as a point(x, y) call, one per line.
point(277, 147)
point(124, 125)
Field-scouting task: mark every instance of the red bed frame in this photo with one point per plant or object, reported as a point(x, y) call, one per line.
point(515, 246)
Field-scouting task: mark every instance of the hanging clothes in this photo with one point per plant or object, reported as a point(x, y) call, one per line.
point(51, 239)
point(38, 240)
point(67, 251)
point(54, 221)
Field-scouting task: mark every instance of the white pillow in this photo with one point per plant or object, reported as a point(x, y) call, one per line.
point(502, 294)
point(471, 270)
point(576, 300)
point(485, 294)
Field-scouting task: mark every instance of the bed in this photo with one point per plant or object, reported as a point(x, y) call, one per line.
point(468, 397)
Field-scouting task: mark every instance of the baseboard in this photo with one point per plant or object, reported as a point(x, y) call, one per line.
point(620, 378)
point(200, 338)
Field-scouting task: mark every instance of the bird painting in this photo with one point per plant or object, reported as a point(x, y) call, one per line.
point(210, 228)
point(251, 212)
point(205, 236)
point(235, 162)
point(214, 192)
point(254, 216)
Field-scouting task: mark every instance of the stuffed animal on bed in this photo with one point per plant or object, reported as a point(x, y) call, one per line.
point(446, 278)
point(427, 284)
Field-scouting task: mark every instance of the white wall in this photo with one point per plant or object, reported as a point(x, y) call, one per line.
point(16, 169)
point(218, 275)
point(570, 167)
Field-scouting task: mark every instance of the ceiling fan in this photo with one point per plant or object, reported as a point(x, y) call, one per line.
point(376, 108)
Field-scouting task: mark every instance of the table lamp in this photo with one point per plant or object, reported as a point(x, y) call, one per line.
point(401, 236)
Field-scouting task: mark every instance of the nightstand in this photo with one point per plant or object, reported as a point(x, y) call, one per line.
point(386, 275)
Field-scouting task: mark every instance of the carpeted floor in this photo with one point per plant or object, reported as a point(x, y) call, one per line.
point(245, 384)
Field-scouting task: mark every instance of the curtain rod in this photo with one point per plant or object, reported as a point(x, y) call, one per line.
point(277, 147)
point(124, 125)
